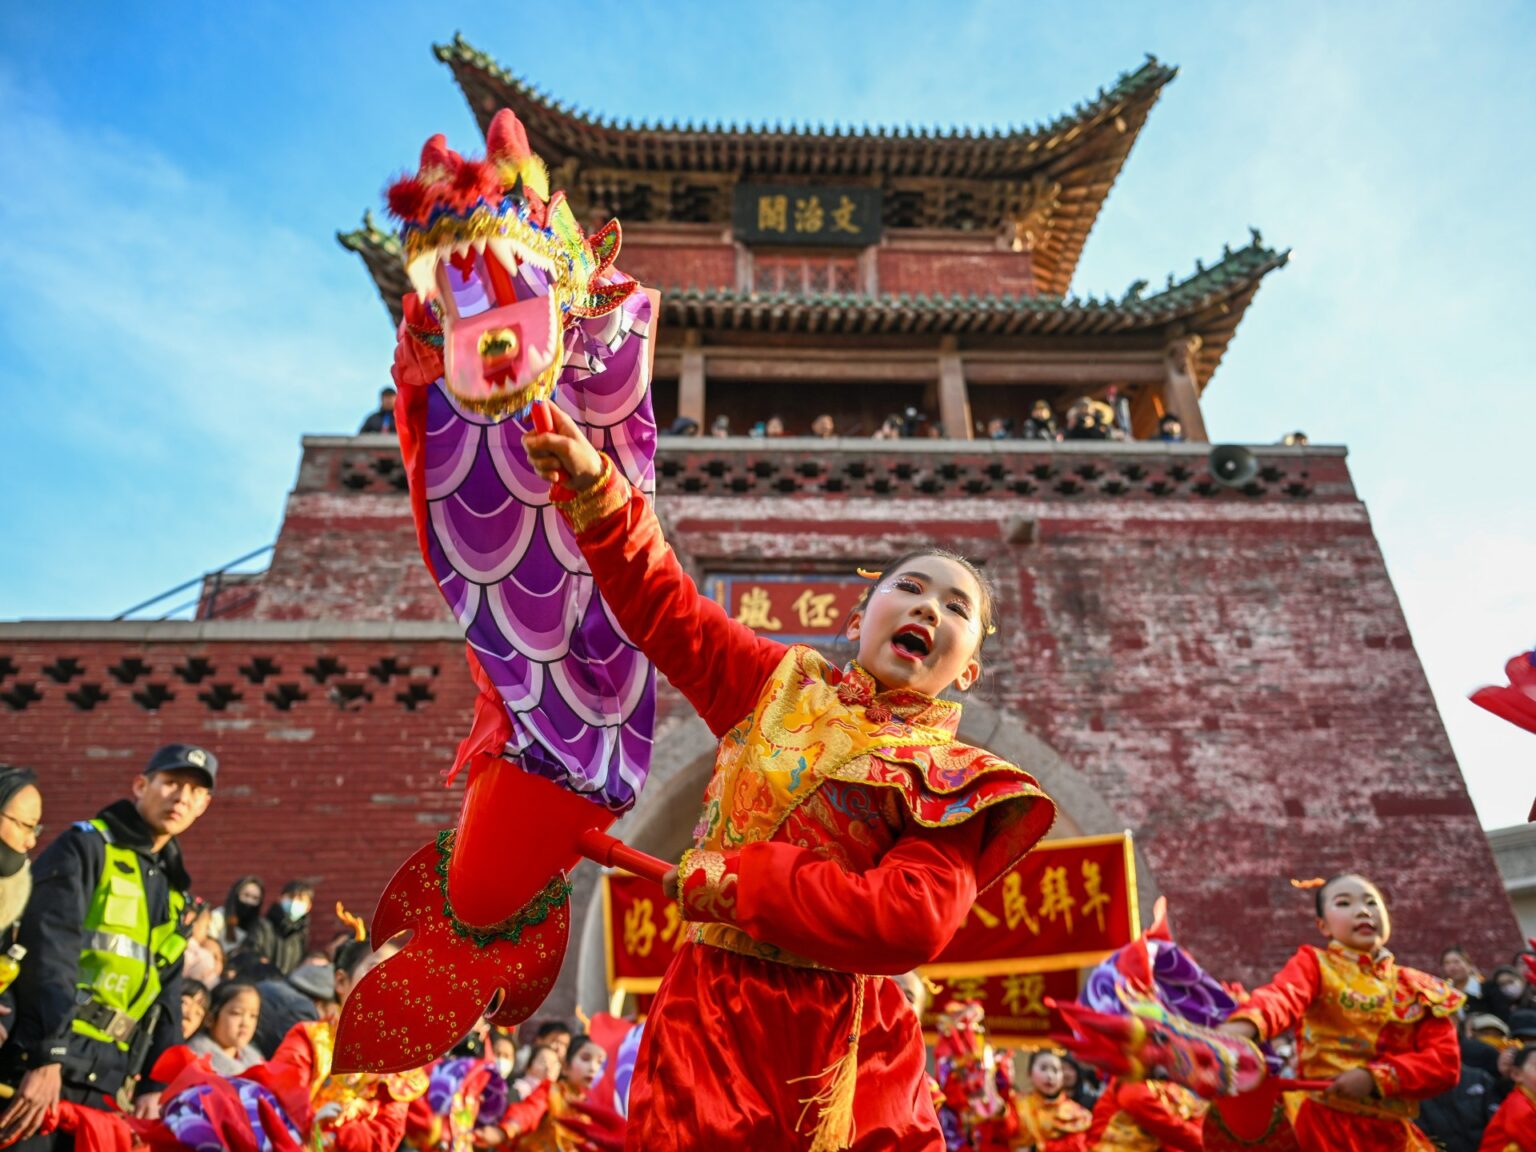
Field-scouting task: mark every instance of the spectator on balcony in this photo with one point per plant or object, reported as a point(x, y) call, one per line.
point(1170, 429)
point(1041, 424)
point(384, 419)
point(773, 427)
point(1297, 439)
point(1090, 420)
point(999, 428)
point(683, 426)
point(823, 427)
point(891, 429)
point(720, 427)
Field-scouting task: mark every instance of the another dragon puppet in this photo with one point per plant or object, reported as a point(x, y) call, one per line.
point(1151, 1012)
point(514, 306)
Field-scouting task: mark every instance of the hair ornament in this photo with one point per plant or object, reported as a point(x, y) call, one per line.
point(1308, 885)
point(868, 574)
point(359, 929)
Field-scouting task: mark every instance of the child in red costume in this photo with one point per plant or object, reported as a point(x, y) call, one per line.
point(353, 1112)
point(1145, 1116)
point(1049, 1119)
point(533, 1125)
point(1385, 1035)
point(1513, 1127)
point(844, 836)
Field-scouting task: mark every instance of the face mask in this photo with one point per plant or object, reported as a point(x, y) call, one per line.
point(295, 909)
point(10, 860)
point(504, 1068)
point(245, 914)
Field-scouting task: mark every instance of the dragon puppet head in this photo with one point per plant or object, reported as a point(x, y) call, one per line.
point(503, 265)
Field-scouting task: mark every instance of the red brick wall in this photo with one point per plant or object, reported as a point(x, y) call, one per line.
point(1231, 673)
point(680, 265)
point(337, 789)
point(984, 273)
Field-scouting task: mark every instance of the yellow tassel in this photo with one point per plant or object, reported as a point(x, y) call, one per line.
point(834, 1127)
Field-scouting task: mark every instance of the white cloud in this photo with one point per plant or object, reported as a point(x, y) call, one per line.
point(171, 340)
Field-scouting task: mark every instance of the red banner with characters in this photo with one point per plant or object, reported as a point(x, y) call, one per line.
point(1064, 907)
point(1069, 903)
point(1015, 1007)
point(793, 609)
point(641, 932)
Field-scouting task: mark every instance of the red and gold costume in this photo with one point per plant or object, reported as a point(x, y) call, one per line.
point(1513, 1127)
point(357, 1112)
point(532, 1124)
point(1144, 1116)
point(844, 835)
point(1051, 1125)
point(1354, 1010)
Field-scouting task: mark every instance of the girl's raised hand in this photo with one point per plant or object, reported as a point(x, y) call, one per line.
point(563, 455)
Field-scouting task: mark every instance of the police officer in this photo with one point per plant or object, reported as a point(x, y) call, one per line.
point(100, 994)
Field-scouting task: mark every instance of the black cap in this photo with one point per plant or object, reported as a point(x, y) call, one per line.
point(1522, 1024)
point(174, 756)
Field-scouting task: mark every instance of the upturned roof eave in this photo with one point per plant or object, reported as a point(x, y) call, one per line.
point(560, 133)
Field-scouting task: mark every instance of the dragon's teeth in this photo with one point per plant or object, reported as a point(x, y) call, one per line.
point(422, 274)
point(501, 248)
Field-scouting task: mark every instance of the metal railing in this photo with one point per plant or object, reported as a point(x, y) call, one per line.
point(218, 592)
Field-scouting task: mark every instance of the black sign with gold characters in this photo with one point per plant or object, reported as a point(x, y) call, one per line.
point(806, 214)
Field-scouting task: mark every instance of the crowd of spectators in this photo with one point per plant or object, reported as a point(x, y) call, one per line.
point(1497, 1030)
point(1085, 419)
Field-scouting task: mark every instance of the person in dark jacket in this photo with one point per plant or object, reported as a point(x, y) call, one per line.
point(286, 938)
point(1455, 1120)
point(21, 823)
point(307, 993)
point(384, 419)
point(101, 988)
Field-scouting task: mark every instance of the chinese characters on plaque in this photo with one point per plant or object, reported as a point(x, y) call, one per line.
point(1064, 907)
point(806, 214)
point(793, 609)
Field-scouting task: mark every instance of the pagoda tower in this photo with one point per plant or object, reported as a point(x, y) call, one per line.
point(1224, 670)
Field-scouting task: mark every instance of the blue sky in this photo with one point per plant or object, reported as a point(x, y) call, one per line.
point(179, 312)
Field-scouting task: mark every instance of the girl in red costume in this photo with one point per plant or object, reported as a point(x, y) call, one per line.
point(1513, 1127)
point(1385, 1035)
point(534, 1124)
point(845, 833)
point(1049, 1119)
point(1145, 1116)
point(356, 1112)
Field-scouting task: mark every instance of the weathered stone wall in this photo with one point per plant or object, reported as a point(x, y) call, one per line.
point(1227, 673)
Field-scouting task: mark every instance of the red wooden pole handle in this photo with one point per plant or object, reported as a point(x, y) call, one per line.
point(543, 422)
point(611, 852)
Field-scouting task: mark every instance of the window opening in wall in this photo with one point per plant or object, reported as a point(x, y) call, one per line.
point(796, 274)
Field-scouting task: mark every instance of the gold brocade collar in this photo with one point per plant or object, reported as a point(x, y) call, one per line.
point(857, 688)
point(1381, 964)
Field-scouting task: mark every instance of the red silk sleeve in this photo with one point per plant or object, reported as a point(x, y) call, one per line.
point(1280, 1003)
point(382, 1132)
point(1433, 1067)
point(717, 663)
point(523, 1116)
point(1150, 1112)
point(884, 921)
point(1513, 1127)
